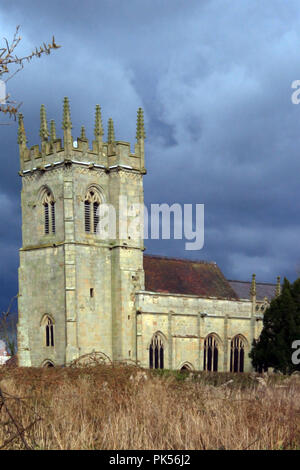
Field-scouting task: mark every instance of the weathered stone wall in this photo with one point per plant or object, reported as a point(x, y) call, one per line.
point(185, 321)
point(92, 266)
point(41, 272)
point(85, 284)
point(127, 263)
point(41, 276)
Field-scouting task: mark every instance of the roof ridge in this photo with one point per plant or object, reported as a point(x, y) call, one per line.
point(249, 282)
point(180, 259)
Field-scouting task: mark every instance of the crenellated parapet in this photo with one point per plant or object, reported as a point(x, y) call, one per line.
point(55, 151)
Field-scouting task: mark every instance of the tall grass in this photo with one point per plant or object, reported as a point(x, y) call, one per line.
point(122, 407)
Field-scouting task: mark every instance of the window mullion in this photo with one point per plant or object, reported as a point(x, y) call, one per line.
point(53, 217)
point(46, 214)
point(92, 217)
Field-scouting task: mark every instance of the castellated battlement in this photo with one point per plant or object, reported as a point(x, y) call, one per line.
point(55, 151)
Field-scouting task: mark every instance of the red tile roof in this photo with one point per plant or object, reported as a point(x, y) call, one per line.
point(182, 276)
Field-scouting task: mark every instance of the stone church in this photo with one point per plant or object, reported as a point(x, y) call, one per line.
point(80, 294)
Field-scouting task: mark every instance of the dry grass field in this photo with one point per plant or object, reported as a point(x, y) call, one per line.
point(123, 407)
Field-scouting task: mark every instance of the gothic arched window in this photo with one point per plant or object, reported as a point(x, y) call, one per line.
point(156, 352)
point(91, 204)
point(48, 327)
point(211, 352)
point(49, 212)
point(237, 354)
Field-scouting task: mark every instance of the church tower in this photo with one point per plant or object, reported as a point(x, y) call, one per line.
point(76, 287)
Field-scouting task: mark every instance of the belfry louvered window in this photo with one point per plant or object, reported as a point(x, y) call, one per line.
point(95, 216)
point(49, 213)
point(211, 352)
point(237, 354)
point(46, 208)
point(52, 205)
point(156, 353)
point(87, 216)
point(91, 205)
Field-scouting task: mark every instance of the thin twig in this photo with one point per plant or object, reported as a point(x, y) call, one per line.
point(20, 431)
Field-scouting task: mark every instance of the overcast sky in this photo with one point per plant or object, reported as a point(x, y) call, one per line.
point(214, 78)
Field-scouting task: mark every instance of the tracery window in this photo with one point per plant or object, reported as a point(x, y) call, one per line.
point(91, 204)
point(156, 352)
point(49, 212)
point(211, 353)
point(48, 326)
point(237, 354)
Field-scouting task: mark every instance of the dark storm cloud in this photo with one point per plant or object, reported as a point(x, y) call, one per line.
point(215, 84)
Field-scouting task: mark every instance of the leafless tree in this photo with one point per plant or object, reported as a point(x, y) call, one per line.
point(10, 64)
point(8, 327)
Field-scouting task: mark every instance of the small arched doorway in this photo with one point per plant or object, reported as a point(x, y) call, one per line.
point(186, 367)
point(48, 364)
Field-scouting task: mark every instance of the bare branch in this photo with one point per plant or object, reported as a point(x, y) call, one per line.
point(8, 327)
point(8, 60)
